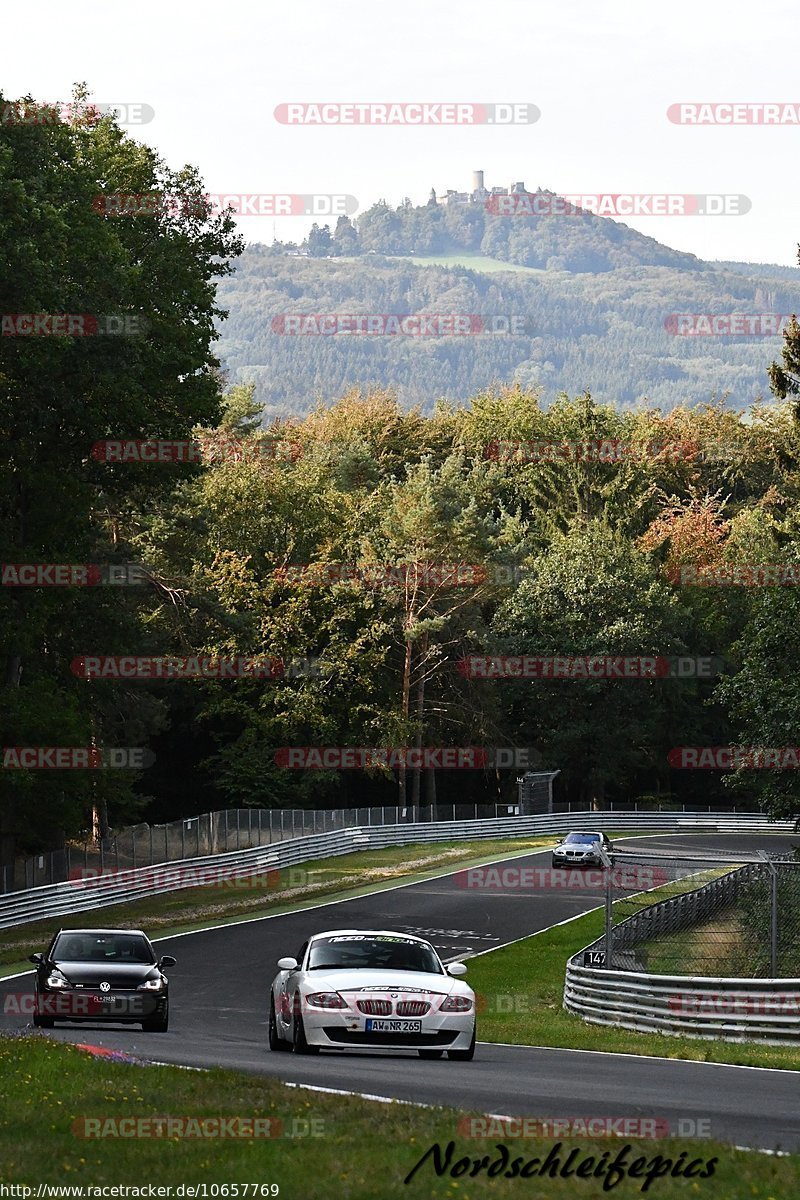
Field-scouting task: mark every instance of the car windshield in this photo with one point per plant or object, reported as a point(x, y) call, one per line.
point(103, 947)
point(583, 838)
point(350, 951)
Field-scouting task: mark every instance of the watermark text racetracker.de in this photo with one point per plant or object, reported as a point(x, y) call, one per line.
point(603, 450)
point(73, 575)
point(73, 1004)
point(734, 112)
point(240, 204)
point(132, 667)
point(76, 758)
point(72, 325)
point(28, 112)
point(733, 324)
point(408, 113)
point(736, 575)
point(398, 575)
point(628, 877)
point(583, 1126)
point(617, 204)
point(734, 758)
point(191, 1128)
point(195, 450)
point(400, 324)
point(693, 1004)
point(588, 667)
point(366, 758)
point(257, 875)
point(610, 450)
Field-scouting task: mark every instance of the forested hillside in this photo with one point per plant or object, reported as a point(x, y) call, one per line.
point(608, 331)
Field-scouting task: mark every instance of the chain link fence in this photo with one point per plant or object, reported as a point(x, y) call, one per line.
point(216, 833)
point(713, 915)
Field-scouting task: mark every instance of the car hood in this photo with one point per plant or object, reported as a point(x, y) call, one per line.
point(589, 847)
point(348, 980)
point(92, 974)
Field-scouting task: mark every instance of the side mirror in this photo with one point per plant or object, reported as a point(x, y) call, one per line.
point(167, 961)
point(456, 969)
point(36, 958)
point(287, 964)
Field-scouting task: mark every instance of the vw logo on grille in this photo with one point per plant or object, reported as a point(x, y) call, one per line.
point(105, 987)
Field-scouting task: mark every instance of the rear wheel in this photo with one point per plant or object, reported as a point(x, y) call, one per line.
point(464, 1055)
point(430, 1053)
point(276, 1042)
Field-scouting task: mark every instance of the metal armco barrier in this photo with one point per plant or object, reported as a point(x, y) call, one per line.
point(82, 895)
point(737, 1010)
point(723, 1008)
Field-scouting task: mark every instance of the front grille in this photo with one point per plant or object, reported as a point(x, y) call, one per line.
point(127, 983)
point(351, 1037)
point(412, 1008)
point(375, 1008)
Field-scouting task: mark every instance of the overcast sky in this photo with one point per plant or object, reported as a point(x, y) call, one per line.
point(602, 74)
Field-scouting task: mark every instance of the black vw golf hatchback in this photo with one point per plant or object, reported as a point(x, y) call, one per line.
point(102, 975)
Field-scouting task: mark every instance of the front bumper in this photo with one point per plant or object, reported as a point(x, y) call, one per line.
point(346, 1029)
point(81, 1004)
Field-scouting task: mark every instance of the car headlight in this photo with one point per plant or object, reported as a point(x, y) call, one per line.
point(326, 1000)
point(457, 1004)
point(152, 985)
point(56, 980)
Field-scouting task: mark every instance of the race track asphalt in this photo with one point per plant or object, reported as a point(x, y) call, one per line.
point(220, 989)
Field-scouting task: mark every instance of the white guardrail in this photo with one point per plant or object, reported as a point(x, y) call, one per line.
point(731, 1010)
point(115, 887)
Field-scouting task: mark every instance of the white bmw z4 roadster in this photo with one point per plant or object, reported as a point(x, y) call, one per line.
point(371, 989)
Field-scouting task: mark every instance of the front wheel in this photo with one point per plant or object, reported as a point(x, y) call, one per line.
point(464, 1055)
point(299, 1043)
point(156, 1024)
point(42, 1022)
point(276, 1042)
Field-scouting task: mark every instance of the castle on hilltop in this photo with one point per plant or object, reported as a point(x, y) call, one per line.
point(478, 195)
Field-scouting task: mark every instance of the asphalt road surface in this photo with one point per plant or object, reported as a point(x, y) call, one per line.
point(220, 990)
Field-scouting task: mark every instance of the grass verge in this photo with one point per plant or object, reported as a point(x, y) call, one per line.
point(522, 986)
point(360, 1149)
point(714, 948)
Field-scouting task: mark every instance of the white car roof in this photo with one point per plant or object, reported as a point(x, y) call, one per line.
point(370, 933)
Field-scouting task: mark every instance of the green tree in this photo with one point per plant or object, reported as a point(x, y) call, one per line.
point(319, 241)
point(591, 593)
point(64, 254)
point(763, 696)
